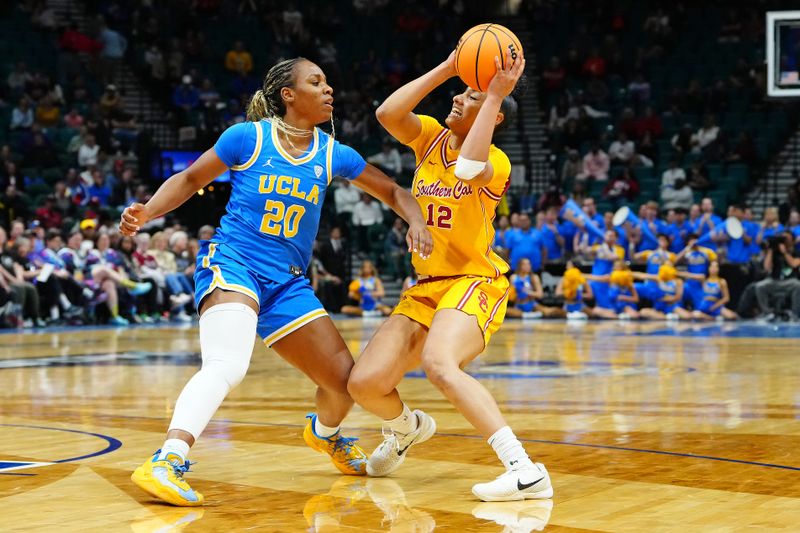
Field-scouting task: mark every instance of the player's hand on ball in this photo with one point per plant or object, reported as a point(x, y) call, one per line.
point(506, 78)
point(132, 219)
point(419, 240)
point(450, 63)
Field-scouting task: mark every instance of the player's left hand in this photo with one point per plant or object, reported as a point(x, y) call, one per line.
point(419, 240)
point(506, 78)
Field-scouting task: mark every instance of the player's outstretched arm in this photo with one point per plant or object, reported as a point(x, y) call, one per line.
point(396, 113)
point(380, 186)
point(173, 192)
point(476, 144)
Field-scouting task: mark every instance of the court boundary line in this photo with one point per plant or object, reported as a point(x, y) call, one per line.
point(113, 444)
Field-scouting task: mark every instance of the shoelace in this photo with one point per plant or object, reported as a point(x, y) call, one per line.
point(181, 469)
point(344, 443)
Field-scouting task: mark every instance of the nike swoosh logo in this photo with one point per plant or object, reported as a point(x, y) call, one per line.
point(401, 452)
point(523, 486)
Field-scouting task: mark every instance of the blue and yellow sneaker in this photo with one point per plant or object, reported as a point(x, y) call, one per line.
point(345, 454)
point(164, 480)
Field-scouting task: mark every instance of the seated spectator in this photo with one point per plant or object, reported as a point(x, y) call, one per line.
point(554, 76)
point(22, 115)
point(73, 119)
point(239, 59)
point(698, 177)
point(639, 90)
point(18, 78)
point(186, 97)
point(40, 153)
point(367, 214)
point(781, 265)
point(388, 160)
point(622, 149)
point(595, 164)
point(572, 167)
point(110, 101)
point(48, 114)
point(706, 136)
point(647, 149)
point(559, 114)
point(88, 152)
point(622, 189)
point(99, 189)
point(365, 293)
point(683, 140)
point(345, 199)
point(526, 293)
point(677, 196)
point(397, 249)
point(49, 215)
point(180, 288)
point(672, 174)
point(745, 151)
point(649, 122)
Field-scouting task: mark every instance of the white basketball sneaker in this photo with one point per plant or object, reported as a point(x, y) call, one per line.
point(528, 483)
point(392, 451)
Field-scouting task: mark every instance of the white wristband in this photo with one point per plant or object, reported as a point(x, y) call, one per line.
point(467, 169)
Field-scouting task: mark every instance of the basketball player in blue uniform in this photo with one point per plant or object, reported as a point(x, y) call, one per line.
point(249, 278)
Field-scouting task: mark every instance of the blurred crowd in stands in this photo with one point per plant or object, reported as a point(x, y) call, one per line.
point(72, 154)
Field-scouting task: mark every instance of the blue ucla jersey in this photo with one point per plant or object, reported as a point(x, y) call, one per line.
point(698, 259)
point(656, 258)
point(712, 291)
point(523, 284)
point(276, 200)
point(604, 258)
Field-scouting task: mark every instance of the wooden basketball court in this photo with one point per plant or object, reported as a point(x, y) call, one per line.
point(643, 428)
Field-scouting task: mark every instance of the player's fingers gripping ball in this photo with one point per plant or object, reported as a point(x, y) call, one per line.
point(476, 52)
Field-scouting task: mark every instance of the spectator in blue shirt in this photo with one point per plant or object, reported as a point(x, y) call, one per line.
point(99, 188)
point(770, 226)
point(707, 221)
point(739, 250)
point(551, 235)
point(526, 242)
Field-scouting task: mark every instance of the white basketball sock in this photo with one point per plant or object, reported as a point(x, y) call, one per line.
point(324, 431)
point(227, 335)
point(405, 423)
point(175, 446)
point(509, 449)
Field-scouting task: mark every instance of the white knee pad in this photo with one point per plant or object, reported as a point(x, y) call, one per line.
point(227, 335)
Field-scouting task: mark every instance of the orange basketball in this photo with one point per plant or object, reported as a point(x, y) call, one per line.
point(477, 49)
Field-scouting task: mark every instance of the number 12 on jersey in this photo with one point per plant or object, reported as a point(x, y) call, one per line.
point(441, 217)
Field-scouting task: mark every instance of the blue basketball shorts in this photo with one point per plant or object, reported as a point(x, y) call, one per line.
point(283, 307)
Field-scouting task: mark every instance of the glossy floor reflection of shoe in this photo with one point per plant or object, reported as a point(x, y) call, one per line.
point(326, 512)
point(516, 517)
point(166, 518)
point(398, 516)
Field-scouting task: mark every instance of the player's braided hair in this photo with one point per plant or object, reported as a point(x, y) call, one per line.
point(267, 103)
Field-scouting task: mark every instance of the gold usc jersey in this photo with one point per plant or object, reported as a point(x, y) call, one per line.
point(459, 215)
